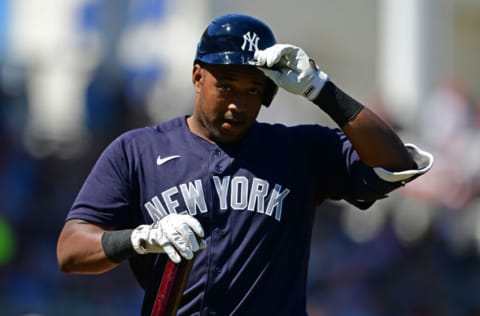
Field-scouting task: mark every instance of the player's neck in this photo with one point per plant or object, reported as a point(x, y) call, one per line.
point(196, 128)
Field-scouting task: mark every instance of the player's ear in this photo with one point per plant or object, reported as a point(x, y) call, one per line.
point(197, 76)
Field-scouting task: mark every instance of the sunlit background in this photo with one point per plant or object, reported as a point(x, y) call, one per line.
point(74, 74)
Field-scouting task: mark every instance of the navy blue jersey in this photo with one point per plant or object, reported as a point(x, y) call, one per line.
point(255, 200)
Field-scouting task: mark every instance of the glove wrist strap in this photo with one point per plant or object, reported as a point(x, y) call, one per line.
point(337, 104)
point(313, 90)
point(117, 245)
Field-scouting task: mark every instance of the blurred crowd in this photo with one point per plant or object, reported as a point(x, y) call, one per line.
point(35, 195)
point(414, 254)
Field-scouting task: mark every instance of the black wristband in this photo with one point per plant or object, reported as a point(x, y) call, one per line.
point(337, 104)
point(117, 245)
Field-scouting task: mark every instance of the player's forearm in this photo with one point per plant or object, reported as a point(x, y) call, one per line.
point(376, 143)
point(79, 249)
point(84, 247)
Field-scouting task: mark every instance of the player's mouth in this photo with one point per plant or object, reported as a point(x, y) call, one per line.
point(233, 124)
point(233, 121)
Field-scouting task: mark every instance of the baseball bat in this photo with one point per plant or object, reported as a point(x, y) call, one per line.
point(171, 288)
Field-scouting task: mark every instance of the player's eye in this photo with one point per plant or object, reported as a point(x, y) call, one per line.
point(224, 87)
point(253, 91)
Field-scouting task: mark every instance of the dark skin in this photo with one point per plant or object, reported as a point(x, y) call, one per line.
point(376, 143)
point(227, 101)
point(79, 248)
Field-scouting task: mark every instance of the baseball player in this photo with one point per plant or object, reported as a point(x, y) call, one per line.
point(238, 193)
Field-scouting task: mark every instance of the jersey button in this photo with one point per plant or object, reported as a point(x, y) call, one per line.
point(208, 311)
point(217, 152)
point(218, 169)
point(221, 232)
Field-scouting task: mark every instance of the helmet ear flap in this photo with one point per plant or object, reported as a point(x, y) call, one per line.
point(270, 91)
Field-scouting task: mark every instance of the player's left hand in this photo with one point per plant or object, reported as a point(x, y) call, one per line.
point(291, 68)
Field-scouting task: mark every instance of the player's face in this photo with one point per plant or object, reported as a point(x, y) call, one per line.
point(228, 99)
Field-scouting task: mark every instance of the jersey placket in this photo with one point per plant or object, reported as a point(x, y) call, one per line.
point(219, 162)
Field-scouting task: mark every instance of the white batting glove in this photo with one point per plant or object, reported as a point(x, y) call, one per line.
point(175, 234)
point(290, 68)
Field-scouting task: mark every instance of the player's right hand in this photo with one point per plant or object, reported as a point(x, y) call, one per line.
point(175, 234)
point(291, 68)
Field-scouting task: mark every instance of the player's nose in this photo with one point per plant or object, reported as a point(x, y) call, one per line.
point(235, 106)
point(238, 103)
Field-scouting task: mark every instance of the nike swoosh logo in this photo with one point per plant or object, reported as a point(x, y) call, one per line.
point(161, 161)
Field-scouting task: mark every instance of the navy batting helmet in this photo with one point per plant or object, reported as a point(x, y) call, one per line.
point(232, 39)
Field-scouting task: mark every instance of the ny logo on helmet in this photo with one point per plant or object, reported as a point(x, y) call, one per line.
point(251, 40)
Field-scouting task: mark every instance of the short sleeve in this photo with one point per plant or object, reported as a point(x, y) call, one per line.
point(106, 194)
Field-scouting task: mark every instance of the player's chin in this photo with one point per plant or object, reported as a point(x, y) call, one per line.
point(230, 132)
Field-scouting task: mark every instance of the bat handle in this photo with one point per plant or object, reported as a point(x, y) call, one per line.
point(170, 291)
